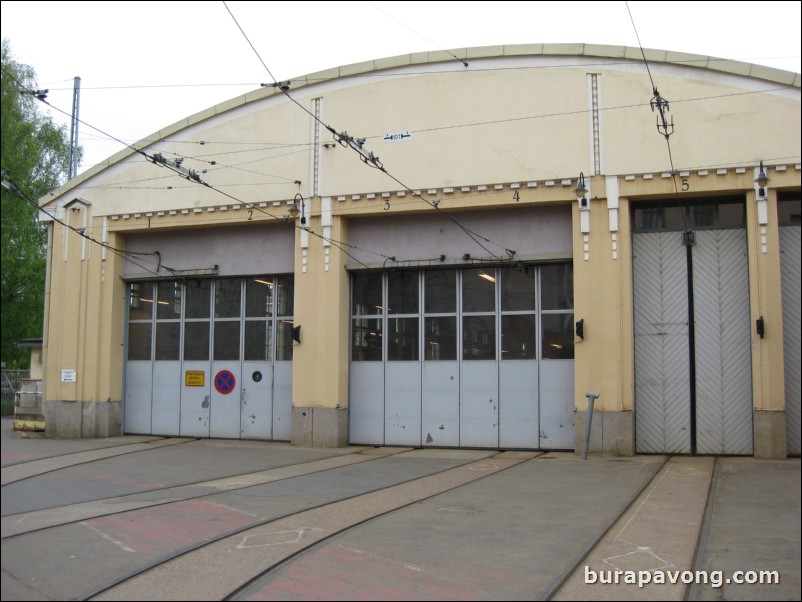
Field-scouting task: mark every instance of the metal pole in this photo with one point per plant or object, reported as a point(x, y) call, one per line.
point(591, 398)
point(76, 93)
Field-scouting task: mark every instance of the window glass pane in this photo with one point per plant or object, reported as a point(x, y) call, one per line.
point(168, 340)
point(479, 338)
point(674, 218)
point(168, 306)
point(140, 301)
point(440, 338)
point(402, 293)
point(402, 339)
point(558, 336)
point(703, 215)
point(284, 341)
point(440, 292)
point(227, 295)
point(198, 293)
point(366, 344)
point(367, 294)
point(518, 337)
point(258, 340)
point(789, 209)
point(731, 214)
point(518, 289)
point(647, 218)
point(286, 296)
point(478, 290)
point(259, 297)
point(226, 340)
point(557, 286)
point(196, 341)
point(139, 341)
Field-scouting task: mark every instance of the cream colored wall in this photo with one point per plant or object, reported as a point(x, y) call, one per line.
point(320, 361)
point(765, 283)
point(719, 121)
point(602, 298)
point(501, 120)
point(87, 313)
point(449, 146)
point(258, 156)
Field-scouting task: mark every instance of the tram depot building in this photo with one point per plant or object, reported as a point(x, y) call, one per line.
point(509, 236)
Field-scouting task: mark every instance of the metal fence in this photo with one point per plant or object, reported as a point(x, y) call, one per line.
point(11, 384)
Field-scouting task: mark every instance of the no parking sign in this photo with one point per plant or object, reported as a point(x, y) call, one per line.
point(224, 382)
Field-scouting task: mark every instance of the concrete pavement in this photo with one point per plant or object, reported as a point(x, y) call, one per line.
point(158, 518)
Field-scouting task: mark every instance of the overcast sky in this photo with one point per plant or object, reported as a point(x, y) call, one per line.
point(145, 65)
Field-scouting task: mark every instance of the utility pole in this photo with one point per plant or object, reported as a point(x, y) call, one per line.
point(76, 93)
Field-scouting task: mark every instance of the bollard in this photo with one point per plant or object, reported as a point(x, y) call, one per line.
point(591, 398)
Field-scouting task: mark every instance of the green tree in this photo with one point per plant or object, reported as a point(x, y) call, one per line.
point(35, 159)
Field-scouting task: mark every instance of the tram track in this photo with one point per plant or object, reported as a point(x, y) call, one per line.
point(43, 523)
point(224, 538)
point(284, 537)
point(19, 471)
point(14, 525)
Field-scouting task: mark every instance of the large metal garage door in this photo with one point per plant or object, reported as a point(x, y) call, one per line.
point(210, 358)
point(693, 388)
point(791, 265)
point(478, 357)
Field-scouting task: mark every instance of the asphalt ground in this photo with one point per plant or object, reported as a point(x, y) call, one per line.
point(151, 518)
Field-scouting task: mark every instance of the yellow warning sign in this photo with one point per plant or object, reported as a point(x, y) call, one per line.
point(195, 378)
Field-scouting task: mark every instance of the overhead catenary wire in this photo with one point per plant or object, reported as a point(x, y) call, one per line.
point(356, 144)
point(475, 124)
point(417, 33)
point(471, 124)
point(464, 125)
point(664, 127)
point(13, 188)
point(193, 176)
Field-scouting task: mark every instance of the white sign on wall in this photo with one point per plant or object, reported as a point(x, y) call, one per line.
point(69, 376)
point(397, 136)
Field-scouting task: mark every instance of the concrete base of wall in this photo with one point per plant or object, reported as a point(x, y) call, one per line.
point(320, 427)
point(82, 419)
point(770, 435)
point(611, 433)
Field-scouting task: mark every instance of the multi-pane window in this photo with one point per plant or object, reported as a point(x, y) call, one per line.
point(227, 302)
point(197, 319)
point(557, 311)
point(450, 314)
point(440, 315)
point(225, 319)
point(697, 214)
point(479, 314)
point(366, 317)
point(402, 316)
point(789, 208)
point(285, 301)
point(518, 317)
point(168, 320)
point(140, 320)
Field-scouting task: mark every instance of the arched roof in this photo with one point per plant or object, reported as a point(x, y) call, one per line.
point(624, 53)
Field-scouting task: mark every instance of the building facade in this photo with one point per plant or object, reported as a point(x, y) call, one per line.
point(414, 252)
